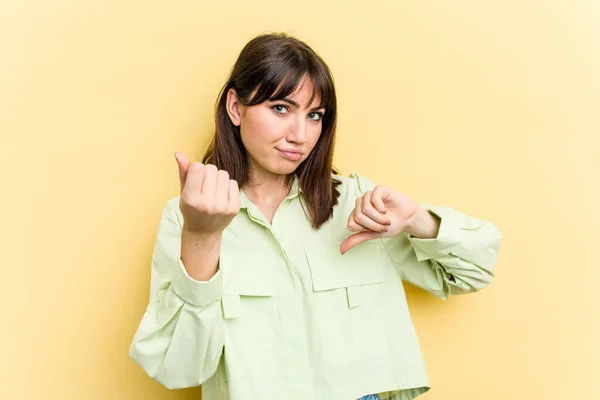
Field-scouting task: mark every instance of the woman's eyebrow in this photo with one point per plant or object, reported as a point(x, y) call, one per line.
point(296, 105)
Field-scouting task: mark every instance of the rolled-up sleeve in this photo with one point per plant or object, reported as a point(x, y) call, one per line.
point(179, 340)
point(462, 257)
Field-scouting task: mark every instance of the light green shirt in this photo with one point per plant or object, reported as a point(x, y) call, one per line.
point(288, 317)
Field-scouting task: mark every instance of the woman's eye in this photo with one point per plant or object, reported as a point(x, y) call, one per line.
point(316, 116)
point(279, 109)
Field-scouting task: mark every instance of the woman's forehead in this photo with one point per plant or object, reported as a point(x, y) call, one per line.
point(304, 93)
point(301, 91)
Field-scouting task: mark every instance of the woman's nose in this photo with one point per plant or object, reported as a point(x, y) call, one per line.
point(297, 130)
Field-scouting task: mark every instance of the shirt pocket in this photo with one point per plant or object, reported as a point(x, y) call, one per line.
point(348, 298)
point(248, 285)
point(250, 313)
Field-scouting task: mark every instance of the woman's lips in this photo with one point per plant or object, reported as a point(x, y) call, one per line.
point(291, 155)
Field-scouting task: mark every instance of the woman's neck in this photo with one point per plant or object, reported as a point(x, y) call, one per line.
point(267, 190)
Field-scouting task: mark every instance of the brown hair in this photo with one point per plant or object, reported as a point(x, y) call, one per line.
point(273, 65)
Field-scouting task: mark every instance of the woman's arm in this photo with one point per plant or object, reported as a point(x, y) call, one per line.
point(436, 248)
point(179, 340)
point(460, 259)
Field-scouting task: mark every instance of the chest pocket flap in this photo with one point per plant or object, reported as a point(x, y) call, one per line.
point(245, 274)
point(363, 265)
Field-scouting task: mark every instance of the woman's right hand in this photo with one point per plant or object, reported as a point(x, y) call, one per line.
point(209, 199)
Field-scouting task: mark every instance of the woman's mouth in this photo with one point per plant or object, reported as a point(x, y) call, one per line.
point(290, 154)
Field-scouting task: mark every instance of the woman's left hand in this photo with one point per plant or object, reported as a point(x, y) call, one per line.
point(382, 213)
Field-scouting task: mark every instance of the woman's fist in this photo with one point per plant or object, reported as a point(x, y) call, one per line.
point(379, 213)
point(209, 199)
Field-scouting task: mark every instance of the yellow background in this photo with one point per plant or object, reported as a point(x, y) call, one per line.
point(491, 107)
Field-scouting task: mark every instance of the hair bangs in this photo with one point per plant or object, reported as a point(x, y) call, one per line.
point(282, 80)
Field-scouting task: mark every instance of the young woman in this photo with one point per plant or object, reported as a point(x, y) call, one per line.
point(273, 277)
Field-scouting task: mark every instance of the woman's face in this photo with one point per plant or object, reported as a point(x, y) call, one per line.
point(278, 135)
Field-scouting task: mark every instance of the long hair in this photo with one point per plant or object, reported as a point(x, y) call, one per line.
point(273, 65)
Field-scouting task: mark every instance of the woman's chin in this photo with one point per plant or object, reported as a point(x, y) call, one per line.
point(284, 169)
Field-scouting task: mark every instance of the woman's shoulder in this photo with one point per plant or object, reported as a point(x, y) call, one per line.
point(354, 183)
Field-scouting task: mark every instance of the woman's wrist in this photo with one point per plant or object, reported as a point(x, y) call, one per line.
point(200, 253)
point(423, 224)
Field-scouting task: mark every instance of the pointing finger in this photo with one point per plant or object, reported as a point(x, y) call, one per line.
point(355, 239)
point(183, 164)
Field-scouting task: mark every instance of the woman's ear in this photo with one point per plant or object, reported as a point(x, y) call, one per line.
point(234, 107)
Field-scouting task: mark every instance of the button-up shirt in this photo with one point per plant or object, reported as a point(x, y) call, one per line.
point(287, 316)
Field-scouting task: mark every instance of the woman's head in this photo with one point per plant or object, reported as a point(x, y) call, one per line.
point(276, 115)
point(278, 134)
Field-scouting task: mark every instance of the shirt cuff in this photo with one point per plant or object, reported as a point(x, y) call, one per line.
point(448, 235)
point(198, 293)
